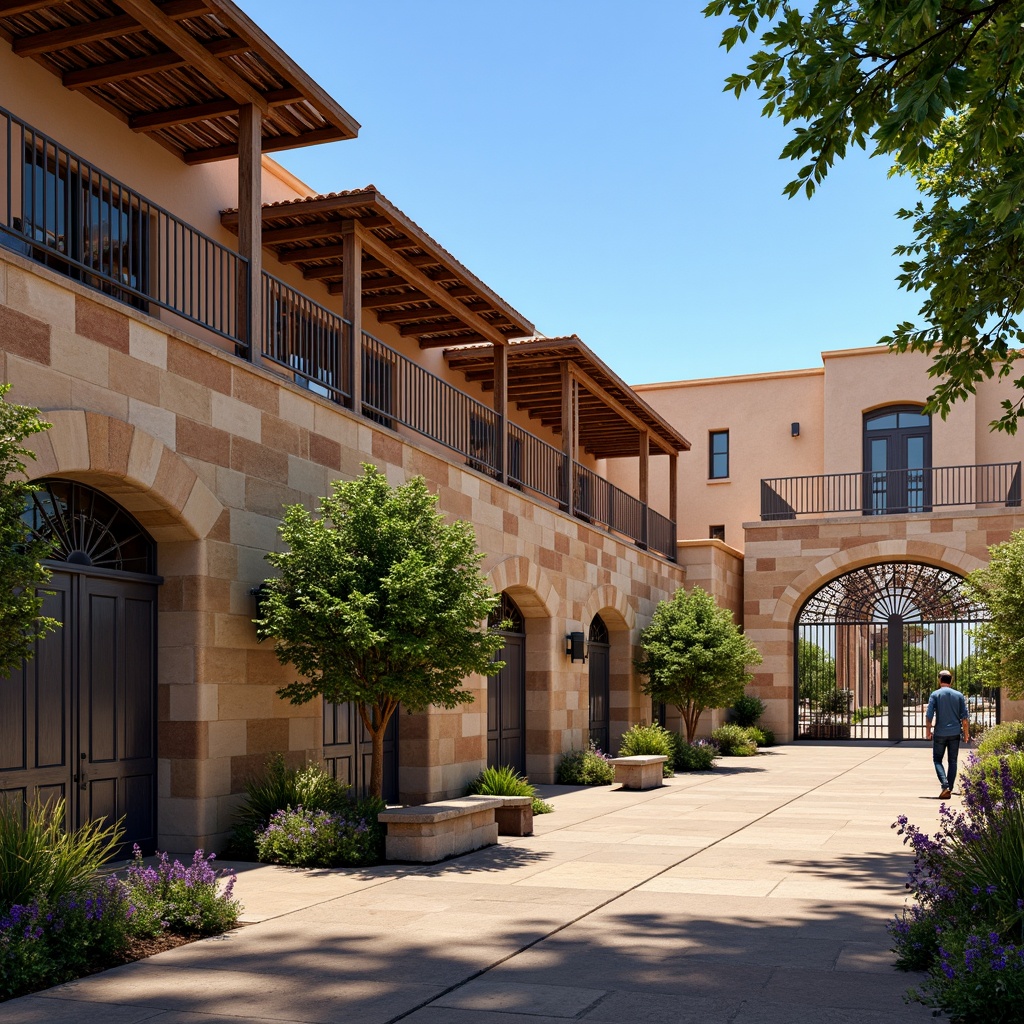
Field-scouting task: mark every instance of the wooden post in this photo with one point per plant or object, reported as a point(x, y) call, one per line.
point(645, 465)
point(568, 434)
point(250, 227)
point(673, 499)
point(352, 307)
point(501, 409)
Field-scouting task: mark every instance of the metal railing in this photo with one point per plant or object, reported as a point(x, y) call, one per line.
point(535, 465)
point(891, 492)
point(308, 340)
point(595, 500)
point(64, 212)
point(661, 534)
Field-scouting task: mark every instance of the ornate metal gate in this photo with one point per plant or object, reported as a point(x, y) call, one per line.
point(868, 648)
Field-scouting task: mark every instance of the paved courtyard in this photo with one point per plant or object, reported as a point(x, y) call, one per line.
point(757, 892)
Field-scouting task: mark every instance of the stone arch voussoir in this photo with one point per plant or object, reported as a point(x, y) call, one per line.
point(135, 468)
point(613, 606)
point(895, 550)
point(529, 585)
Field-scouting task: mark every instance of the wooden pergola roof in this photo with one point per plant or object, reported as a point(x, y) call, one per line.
point(408, 279)
point(610, 414)
point(178, 71)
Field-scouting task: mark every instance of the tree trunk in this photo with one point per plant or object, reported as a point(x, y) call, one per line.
point(691, 716)
point(376, 717)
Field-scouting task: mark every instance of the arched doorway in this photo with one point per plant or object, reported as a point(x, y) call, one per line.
point(598, 658)
point(78, 721)
point(506, 691)
point(868, 647)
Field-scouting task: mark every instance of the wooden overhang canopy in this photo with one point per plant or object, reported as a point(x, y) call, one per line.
point(610, 415)
point(178, 71)
point(408, 280)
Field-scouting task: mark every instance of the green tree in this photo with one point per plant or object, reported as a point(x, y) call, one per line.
point(816, 671)
point(936, 86)
point(21, 552)
point(695, 656)
point(999, 642)
point(379, 601)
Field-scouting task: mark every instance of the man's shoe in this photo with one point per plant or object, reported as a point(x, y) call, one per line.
point(945, 794)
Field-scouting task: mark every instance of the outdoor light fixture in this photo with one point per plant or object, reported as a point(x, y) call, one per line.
point(794, 429)
point(574, 647)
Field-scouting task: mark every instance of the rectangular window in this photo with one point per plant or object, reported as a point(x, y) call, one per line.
point(716, 532)
point(718, 454)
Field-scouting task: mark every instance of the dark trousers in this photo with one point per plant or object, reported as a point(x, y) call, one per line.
point(941, 745)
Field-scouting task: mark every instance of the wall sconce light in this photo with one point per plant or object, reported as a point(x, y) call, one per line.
point(794, 430)
point(574, 647)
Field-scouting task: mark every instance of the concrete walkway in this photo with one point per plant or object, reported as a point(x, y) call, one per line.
point(758, 892)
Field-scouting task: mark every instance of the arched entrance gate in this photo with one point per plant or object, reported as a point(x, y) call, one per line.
point(78, 721)
point(868, 648)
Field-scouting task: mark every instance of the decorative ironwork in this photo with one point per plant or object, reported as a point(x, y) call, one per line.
point(598, 631)
point(869, 646)
point(507, 617)
point(88, 528)
point(873, 593)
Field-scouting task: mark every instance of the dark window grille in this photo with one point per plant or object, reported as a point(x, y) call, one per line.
point(718, 454)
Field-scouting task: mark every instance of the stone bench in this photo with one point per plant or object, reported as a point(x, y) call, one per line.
point(514, 816)
point(432, 832)
point(641, 771)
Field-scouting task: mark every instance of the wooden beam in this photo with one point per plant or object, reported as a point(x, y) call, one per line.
point(380, 301)
point(9, 8)
point(250, 183)
point(172, 35)
point(425, 329)
point(468, 339)
point(430, 287)
point(568, 436)
point(331, 272)
point(104, 28)
point(289, 256)
point(645, 481)
point(271, 144)
point(352, 309)
point(405, 315)
point(120, 70)
point(168, 118)
point(500, 383)
point(297, 232)
point(673, 490)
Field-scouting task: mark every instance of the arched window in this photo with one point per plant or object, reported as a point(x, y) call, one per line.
point(897, 460)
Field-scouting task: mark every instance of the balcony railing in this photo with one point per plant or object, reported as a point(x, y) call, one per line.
point(61, 210)
point(64, 212)
point(892, 491)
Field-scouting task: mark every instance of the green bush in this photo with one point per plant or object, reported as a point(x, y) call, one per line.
point(761, 737)
point(871, 711)
point(506, 781)
point(733, 741)
point(585, 768)
point(693, 757)
point(836, 702)
point(278, 787)
point(40, 861)
point(747, 710)
point(648, 739)
point(1001, 738)
point(302, 838)
point(990, 769)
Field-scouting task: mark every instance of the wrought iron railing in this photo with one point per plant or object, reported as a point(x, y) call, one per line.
point(892, 491)
point(535, 465)
point(64, 212)
point(596, 500)
point(661, 534)
point(307, 340)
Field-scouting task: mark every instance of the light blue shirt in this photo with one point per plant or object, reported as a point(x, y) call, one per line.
point(948, 707)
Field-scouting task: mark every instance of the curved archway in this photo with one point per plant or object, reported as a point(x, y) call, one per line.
point(868, 646)
point(506, 691)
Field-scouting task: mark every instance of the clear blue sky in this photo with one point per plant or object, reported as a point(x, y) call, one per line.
point(581, 158)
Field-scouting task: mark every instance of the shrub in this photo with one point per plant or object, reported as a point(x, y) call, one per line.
point(761, 737)
point(184, 900)
point(978, 729)
point(303, 838)
point(585, 768)
point(1002, 738)
point(967, 883)
point(990, 769)
point(278, 787)
point(870, 711)
point(747, 710)
point(733, 741)
point(40, 861)
point(693, 757)
point(836, 702)
point(506, 781)
point(648, 739)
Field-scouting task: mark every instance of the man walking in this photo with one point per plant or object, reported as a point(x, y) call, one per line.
point(949, 709)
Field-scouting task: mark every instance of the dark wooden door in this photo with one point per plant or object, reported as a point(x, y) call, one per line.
point(506, 707)
point(78, 721)
point(598, 658)
point(348, 750)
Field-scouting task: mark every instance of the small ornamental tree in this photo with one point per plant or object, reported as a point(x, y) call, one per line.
point(695, 657)
point(999, 642)
point(379, 601)
point(21, 552)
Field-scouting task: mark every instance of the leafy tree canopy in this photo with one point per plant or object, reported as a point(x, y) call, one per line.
point(816, 670)
point(21, 552)
point(935, 85)
point(999, 642)
point(379, 601)
point(695, 656)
